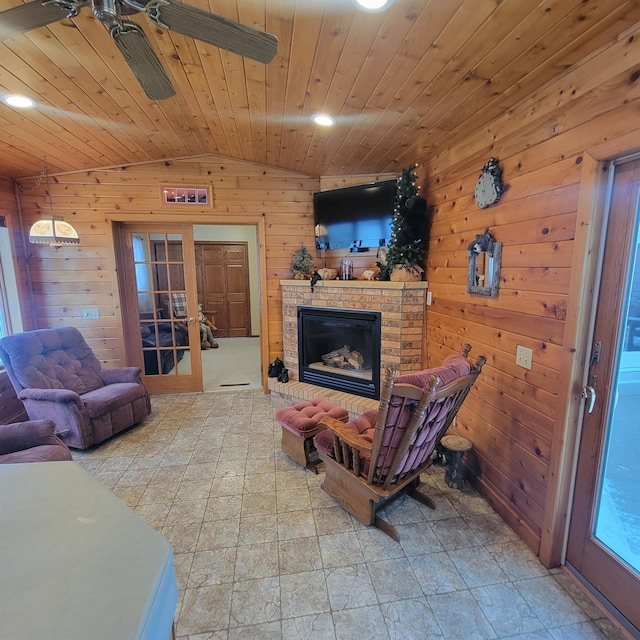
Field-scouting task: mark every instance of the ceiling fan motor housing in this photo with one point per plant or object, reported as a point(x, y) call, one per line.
point(107, 11)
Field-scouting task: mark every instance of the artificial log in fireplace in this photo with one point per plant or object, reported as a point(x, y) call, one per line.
point(340, 349)
point(345, 358)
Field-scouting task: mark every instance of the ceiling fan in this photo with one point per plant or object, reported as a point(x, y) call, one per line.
point(131, 39)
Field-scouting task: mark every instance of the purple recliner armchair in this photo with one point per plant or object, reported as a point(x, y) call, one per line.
point(31, 441)
point(58, 377)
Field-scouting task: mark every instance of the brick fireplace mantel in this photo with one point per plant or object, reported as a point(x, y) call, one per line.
point(402, 308)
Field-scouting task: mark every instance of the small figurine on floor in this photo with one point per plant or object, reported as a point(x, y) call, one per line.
point(206, 330)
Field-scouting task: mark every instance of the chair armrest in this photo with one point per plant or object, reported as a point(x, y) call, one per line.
point(24, 435)
point(346, 433)
point(50, 395)
point(121, 374)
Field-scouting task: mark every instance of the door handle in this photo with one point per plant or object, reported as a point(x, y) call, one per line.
point(589, 393)
point(192, 319)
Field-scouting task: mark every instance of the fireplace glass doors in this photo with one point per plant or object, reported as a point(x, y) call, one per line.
point(340, 349)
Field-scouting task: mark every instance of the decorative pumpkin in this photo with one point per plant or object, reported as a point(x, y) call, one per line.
point(328, 274)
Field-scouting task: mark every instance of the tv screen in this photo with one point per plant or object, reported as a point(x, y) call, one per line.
point(354, 216)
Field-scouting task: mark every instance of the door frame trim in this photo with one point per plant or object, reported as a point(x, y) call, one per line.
point(595, 186)
point(257, 220)
point(592, 212)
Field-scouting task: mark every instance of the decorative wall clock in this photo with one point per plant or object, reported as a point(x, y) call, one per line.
point(489, 186)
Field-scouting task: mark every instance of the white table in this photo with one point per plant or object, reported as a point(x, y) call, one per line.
point(76, 562)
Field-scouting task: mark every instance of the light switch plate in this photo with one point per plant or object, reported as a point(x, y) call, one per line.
point(90, 314)
point(524, 357)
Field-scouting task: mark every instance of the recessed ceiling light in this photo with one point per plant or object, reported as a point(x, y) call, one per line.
point(373, 6)
point(323, 120)
point(20, 102)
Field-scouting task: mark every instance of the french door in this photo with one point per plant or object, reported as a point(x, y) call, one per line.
point(159, 304)
point(604, 535)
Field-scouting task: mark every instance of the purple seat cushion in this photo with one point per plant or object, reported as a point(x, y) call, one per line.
point(364, 425)
point(111, 397)
point(323, 442)
point(302, 418)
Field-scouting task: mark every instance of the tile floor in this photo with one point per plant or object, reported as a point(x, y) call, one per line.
point(262, 552)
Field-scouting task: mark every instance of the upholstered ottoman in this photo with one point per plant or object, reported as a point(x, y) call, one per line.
point(300, 424)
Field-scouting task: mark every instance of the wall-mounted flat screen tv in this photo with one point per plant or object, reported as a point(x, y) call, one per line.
point(354, 217)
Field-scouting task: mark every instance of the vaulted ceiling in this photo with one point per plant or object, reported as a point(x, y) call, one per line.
point(421, 76)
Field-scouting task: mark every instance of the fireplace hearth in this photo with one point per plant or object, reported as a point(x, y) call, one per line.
point(401, 306)
point(340, 349)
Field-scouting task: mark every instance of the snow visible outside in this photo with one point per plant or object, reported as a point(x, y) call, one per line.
point(618, 515)
point(617, 523)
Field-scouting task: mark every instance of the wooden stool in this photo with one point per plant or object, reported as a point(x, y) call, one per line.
point(300, 424)
point(454, 448)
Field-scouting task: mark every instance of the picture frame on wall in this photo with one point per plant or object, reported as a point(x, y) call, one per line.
point(179, 195)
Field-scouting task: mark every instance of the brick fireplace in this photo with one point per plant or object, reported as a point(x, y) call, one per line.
point(402, 309)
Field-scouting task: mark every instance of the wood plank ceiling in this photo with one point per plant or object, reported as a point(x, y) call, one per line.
point(402, 84)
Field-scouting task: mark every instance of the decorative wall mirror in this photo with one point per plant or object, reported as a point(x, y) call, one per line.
point(484, 254)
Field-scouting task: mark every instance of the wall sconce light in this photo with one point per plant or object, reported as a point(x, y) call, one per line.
point(51, 230)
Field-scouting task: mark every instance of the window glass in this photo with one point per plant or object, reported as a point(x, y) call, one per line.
point(10, 320)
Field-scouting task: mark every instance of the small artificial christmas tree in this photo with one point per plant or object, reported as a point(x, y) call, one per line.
point(301, 263)
point(408, 224)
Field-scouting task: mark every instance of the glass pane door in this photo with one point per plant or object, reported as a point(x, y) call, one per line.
point(604, 532)
point(162, 303)
point(160, 306)
point(617, 511)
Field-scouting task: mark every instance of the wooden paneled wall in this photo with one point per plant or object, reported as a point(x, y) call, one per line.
point(72, 278)
point(515, 417)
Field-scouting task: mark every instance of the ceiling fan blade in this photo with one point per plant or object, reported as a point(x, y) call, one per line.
point(213, 29)
point(32, 15)
point(140, 56)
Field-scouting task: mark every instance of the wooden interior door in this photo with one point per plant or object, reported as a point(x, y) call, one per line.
point(156, 266)
point(604, 534)
point(223, 286)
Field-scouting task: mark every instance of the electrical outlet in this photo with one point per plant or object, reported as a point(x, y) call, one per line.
point(90, 314)
point(524, 357)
